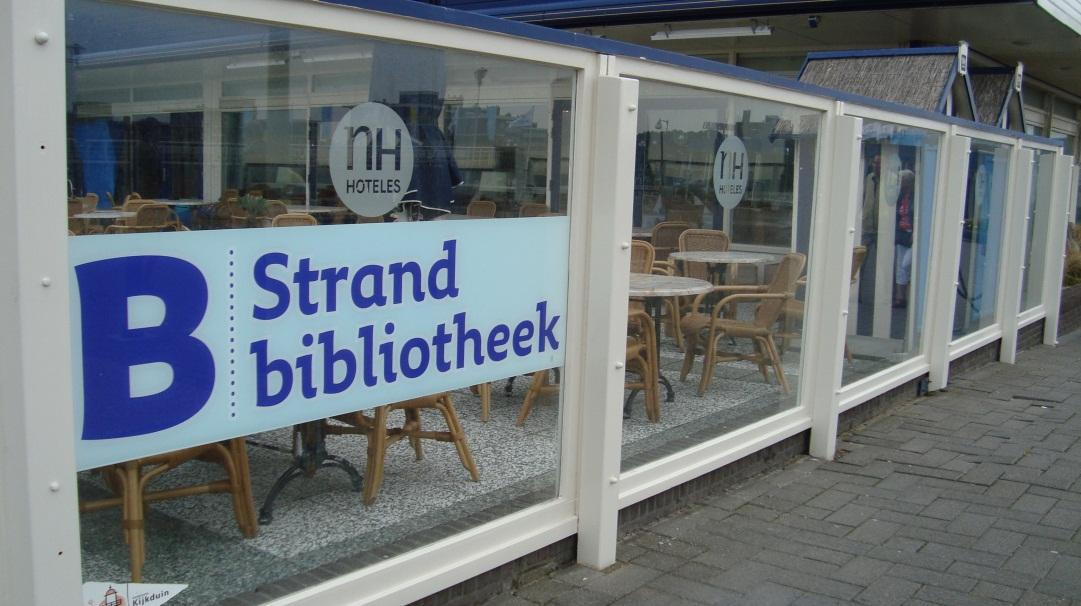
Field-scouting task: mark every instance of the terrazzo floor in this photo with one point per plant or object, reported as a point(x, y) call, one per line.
point(320, 521)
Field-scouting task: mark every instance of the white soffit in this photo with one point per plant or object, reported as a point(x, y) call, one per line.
point(1066, 11)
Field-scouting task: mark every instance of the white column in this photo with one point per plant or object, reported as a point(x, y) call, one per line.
point(611, 203)
point(1055, 252)
point(1015, 232)
point(39, 533)
point(946, 257)
point(829, 268)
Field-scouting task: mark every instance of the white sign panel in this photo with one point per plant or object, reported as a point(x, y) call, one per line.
point(371, 159)
point(730, 170)
point(187, 338)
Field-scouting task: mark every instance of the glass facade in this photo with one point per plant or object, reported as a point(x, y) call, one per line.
point(893, 247)
point(1036, 222)
point(720, 173)
point(226, 126)
point(981, 237)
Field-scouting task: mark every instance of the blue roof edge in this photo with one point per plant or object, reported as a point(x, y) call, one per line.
point(449, 16)
point(882, 52)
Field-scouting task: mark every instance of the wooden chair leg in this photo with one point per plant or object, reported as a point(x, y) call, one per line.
point(485, 390)
point(134, 523)
point(708, 363)
point(243, 500)
point(458, 436)
point(761, 359)
point(777, 368)
point(412, 428)
point(690, 343)
point(540, 378)
point(377, 449)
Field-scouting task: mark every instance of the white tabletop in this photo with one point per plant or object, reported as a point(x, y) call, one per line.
point(187, 202)
point(300, 208)
point(642, 234)
point(651, 285)
point(727, 256)
point(105, 214)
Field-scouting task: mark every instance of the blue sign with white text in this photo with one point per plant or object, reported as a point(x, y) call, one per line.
point(182, 339)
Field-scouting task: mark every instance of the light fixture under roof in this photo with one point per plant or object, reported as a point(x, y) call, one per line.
point(713, 32)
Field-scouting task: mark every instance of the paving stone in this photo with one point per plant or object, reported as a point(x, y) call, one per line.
point(772, 594)
point(623, 580)
point(646, 596)
point(691, 590)
point(581, 597)
point(996, 540)
point(1037, 562)
point(851, 515)
point(873, 531)
point(861, 571)
point(970, 524)
point(888, 591)
point(831, 499)
point(925, 576)
point(994, 591)
point(944, 509)
point(994, 575)
point(658, 561)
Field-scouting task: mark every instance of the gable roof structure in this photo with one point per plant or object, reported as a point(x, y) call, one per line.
point(933, 79)
point(998, 96)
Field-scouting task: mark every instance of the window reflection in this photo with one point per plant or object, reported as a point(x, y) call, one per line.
point(893, 246)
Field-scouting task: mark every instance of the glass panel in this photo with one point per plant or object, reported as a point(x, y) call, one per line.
point(889, 275)
point(740, 172)
point(981, 237)
point(1037, 222)
point(242, 136)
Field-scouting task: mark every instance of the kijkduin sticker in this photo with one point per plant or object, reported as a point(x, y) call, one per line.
point(730, 172)
point(129, 594)
point(371, 159)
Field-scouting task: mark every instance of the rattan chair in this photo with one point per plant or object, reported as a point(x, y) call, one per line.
point(532, 209)
point(293, 220)
point(701, 239)
point(665, 237)
point(150, 217)
point(708, 322)
point(481, 208)
point(130, 483)
point(380, 438)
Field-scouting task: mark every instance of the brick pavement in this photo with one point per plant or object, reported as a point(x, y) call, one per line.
point(969, 496)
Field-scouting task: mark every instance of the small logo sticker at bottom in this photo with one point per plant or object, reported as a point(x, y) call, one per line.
point(129, 594)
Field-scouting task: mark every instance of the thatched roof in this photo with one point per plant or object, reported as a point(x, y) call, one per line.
point(992, 89)
point(921, 78)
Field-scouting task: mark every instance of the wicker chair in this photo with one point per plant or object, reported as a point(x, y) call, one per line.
point(293, 220)
point(794, 308)
point(481, 208)
point(380, 437)
point(132, 205)
point(641, 257)
point(130, 481)
point(150, 217)
point(665, 237)
point(703, 321)
point(532, 209)
point(701, 239)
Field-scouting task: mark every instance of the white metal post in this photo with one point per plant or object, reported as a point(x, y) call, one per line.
point(1055, 252)
point(611, 204)
point(1012, 264)
point(829, 267)
point(946, 258)
point(39, 533)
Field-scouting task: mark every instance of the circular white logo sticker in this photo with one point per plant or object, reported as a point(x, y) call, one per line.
point(730, 170)
point(371, 159)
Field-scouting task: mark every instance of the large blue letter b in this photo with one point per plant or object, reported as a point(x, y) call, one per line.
point(111, 347)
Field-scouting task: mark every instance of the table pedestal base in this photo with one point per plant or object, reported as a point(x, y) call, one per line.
point(312, 457)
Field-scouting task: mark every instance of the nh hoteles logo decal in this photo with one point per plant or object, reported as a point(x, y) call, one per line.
point(730, 172)
point(371, 159)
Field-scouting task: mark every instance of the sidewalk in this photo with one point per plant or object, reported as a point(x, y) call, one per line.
point(969, 496)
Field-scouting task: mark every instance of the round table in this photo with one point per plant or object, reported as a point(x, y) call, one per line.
point(314, 210)
point(655, 289)
point(642, 234)
point(104, 214)
point(190, 202)
point(718, 259)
